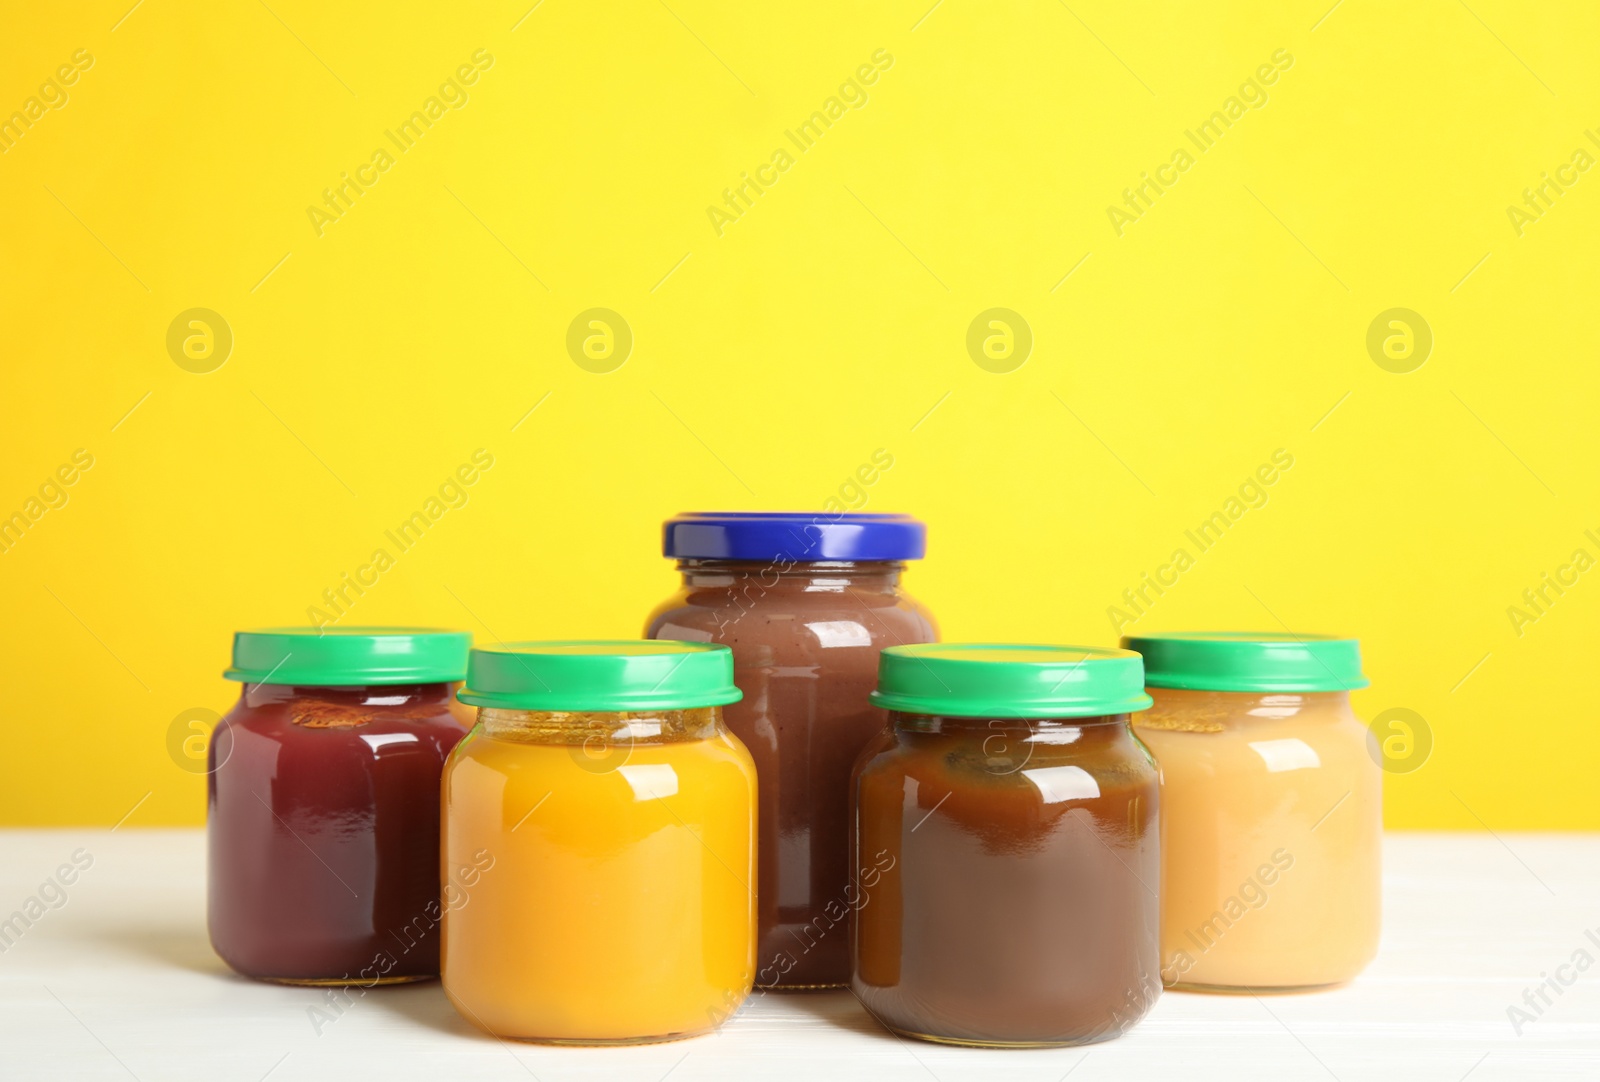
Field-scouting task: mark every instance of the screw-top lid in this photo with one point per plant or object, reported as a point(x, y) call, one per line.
point(349, 656)
point(601, 675)
point(796, 536)
point(1249, 661)
point(1000, 680)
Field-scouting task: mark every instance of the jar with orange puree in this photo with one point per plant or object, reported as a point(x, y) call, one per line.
point(616, 814)
point(1271, 810)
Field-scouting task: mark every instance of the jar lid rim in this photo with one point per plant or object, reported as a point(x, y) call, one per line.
point(1010, 680)
point(353, 656)
point(797, 536)
point(601, 675)
point(1246, 661)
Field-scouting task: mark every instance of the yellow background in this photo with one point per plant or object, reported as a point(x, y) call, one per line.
point(772, 361)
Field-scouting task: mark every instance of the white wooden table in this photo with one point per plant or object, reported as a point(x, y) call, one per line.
point(120, 982)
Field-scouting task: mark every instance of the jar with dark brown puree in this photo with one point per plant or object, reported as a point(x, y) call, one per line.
point(1015, 867)
point(805, 634)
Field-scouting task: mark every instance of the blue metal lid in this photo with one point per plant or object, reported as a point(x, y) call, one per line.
point(788, 535)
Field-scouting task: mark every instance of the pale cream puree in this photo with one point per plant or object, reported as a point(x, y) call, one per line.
point(1271, 820)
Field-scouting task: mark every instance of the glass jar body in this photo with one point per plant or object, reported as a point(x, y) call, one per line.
point(1007, 875)
point(323, 832)
point(600, 871)
point(1271, 836)
point(805, 638)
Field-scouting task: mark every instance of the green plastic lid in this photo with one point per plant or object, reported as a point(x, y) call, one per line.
point(350, 656)
point(999, 680)
point(1249, 661)
point(603, 675)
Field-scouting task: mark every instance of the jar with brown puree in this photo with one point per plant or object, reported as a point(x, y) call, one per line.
point(1010, 820)
point(806, 602)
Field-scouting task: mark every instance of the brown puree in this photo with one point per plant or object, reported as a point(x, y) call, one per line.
point(805, 646)
point(1021, 908)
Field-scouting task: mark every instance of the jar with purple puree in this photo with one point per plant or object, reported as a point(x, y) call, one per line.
point(323, 803)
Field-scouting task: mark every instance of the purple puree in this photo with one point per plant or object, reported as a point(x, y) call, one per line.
point(324, 831)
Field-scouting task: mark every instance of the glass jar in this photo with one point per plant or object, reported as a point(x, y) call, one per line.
point(806, 602)
point(323, 803)
point(1006, 848)
point(1272, 810)
point(618, 815)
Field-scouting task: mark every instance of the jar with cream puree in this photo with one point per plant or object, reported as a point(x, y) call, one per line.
point(615, 817)
point(806, 602)
point(1006, 847)
point(323, 803)
point(1271, 810)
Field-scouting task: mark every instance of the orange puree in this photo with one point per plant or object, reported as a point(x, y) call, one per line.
point(620, 905)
